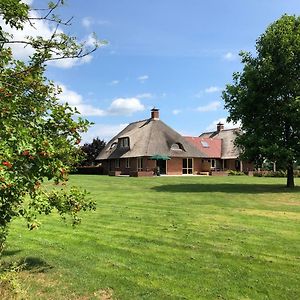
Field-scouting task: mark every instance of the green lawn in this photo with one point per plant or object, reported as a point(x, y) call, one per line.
point(168, 238)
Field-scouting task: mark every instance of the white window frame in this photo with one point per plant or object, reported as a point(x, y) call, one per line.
point(188, 169)
point(124, 142)
point(127, 163)
point(140, 164)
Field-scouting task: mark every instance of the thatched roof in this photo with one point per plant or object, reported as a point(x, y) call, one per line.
point(147, 138)
point(228, 149)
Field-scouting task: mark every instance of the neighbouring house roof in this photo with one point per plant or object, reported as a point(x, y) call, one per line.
point(147, 138)
point(211, 147)
point(228, 150)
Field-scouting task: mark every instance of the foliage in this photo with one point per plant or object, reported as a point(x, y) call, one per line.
point(274, 174)
point(198, 237)
point(235, 173)
point(265, 97)
point(39, 136)
point(91, 151)
point(10, 286)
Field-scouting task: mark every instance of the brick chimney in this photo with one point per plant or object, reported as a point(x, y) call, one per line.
point(220, 127)
point(155, 114)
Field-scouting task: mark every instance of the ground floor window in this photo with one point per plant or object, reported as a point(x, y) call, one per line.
point(127, 163)
point(237, 165)
point(187, 166)
point(213, 163)
point(117, 163)
point(140, 164)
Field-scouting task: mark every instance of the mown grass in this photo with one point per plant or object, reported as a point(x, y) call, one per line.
point(168, 238)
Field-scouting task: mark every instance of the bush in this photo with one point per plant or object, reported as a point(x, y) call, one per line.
point(10, 286)
point(278, 174)
point(235, 173)
point(89, 170)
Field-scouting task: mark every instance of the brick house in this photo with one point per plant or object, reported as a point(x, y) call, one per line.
point(130, 151)
point(221, 152)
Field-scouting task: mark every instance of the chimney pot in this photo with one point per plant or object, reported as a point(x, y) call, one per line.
point(155, 114)
point(220, 127)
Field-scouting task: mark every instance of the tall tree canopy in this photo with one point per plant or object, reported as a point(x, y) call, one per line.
point(39, 135)
point(265, 96)
point(91, 151)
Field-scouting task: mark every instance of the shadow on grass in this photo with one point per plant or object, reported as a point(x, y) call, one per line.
point(10, 252)
point(31, 264)
point(34, 264)
point(226, 188)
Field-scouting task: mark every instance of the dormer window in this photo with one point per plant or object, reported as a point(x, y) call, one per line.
point(177, 147)
point(113, 145)
point(124, 142)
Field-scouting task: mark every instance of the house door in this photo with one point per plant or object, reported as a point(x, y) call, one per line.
point(187, 166)
point(162, 164)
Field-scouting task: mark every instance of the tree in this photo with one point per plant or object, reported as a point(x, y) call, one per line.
point(91, 151)
point(39, 136)
point(265, 97)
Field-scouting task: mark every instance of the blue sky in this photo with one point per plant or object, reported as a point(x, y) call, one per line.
point(172, 54)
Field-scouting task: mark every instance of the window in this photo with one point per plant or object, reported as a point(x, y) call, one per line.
point(113, 145)
point(124, 142)
point(177, 146)
point(187, 166)
point(204, 144)
point(140, 164)
point(117, 163)
point(213, 164)
point(127, 163)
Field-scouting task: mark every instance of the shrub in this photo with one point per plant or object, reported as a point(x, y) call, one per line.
point(235, 173)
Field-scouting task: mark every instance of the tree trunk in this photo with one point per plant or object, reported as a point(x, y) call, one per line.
point(290, 177)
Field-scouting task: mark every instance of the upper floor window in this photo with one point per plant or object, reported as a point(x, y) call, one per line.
point(124, 142)
point(113, 145)
point(177, 146)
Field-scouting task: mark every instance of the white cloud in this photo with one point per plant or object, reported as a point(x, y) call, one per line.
point(40, 28)
point(212, 89)
point(176, 111)
point(87, 22)
point(144, 96)
point(209, 90)
point(103, 131)
point(67, 63)
point(29, 2)
point(142, 78)
point(229, 56)
point(125, 106)
point(210, 107)
point(75, 100)
point(227, 125)
point(114, 82)
point(45, 30)
point(119, 106)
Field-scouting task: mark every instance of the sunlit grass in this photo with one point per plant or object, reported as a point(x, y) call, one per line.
point(168, 238)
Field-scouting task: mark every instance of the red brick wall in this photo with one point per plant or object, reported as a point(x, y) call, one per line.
point(198, 166)
point(148, 165)
point(174, 166)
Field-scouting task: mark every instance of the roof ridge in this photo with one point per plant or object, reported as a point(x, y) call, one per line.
point(211, 132)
